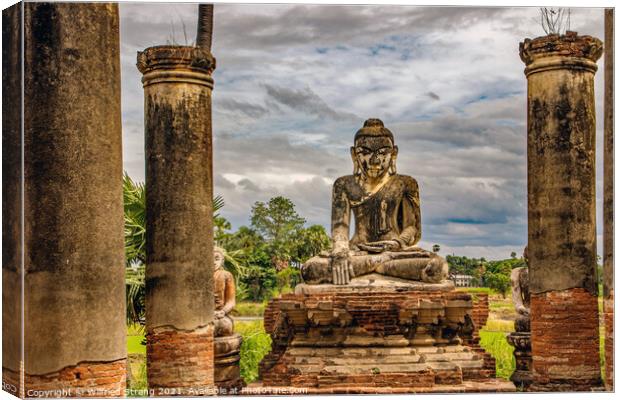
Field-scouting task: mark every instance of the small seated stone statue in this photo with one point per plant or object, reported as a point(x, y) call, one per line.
point(224, 288)
point(386, 207)
point(519, 280)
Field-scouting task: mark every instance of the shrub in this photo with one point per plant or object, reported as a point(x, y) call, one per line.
point(256, 344)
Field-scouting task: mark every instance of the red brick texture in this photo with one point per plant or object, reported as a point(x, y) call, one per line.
point(608, 311)
point(87, 379)
point(180, 363)
point(375, 341)
point(565, 341)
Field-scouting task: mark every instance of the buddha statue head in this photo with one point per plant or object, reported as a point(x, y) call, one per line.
point(218, 257)
point(374, 153)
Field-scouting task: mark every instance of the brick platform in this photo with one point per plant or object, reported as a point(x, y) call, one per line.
point(374, 340)
point(486, 386)
point(180, 363)
point(87, 379)
point(608, 311)
point(565, 341)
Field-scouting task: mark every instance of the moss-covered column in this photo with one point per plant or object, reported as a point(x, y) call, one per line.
point(608, 201)
point(561, 210)
point(73, 247)
point(179, 274)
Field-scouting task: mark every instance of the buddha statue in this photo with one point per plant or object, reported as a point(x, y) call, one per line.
point(224, 288)
point(386, 208)
point(520, 283)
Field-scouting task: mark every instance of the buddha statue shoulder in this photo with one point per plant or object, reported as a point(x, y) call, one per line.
point(386, 211)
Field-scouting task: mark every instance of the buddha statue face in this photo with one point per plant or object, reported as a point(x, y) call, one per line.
point(373, 156)
point(218, 258)
point(374, 153)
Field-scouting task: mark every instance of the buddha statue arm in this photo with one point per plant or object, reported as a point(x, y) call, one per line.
point(341, 217)
point(411, 222)
point(228, 296)
point(517, 297)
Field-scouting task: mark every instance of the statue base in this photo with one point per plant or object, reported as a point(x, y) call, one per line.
point(522, 342)
point(376, 335)
point(226, 372)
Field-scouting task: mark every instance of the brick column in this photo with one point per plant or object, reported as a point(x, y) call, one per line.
point(608, 201)
point(561, 210)
point(179, 244)
point(73, 261)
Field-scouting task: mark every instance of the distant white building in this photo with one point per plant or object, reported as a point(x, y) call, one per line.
point(461, 280)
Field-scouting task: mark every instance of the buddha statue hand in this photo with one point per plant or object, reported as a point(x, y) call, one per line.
point(521, 309)
point(380, 246)
point(341, 270)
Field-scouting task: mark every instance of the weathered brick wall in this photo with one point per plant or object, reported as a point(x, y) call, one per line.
point(322, 321)
point(565, 341)
point(479, 315)
point(608, 307)
point(180, 362)
point(480, 310)
point(87, 379)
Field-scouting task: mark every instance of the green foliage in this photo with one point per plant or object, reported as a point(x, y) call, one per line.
point(271, 249)
point(256, 344)
point(498, 282)
point(466, 266)
point(250, 309)
point(279, 224)
point(309, 242)
point(135, 294)
point(134, 200)
point(492, 274)
point(496, 344)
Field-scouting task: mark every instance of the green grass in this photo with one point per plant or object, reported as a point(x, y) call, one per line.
point(250, 309)
point(499, 325)
point(256, 344)
point(495, 343)
point(135, 337)
point(137, 387)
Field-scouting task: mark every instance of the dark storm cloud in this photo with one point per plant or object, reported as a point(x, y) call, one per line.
point(251, 110)
point(307, 101)
point(283, 26)
point(247, 184)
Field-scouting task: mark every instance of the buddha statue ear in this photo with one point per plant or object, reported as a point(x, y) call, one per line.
point(392, 167)
point(356, 166)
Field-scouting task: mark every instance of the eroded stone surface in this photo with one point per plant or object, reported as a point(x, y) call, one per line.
point(386, 207)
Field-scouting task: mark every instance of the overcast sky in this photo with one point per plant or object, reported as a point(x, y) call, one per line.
point(294, 83)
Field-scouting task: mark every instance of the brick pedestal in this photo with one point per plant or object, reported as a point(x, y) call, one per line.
point(180, 363)
point(565, 341)
point(349, 339)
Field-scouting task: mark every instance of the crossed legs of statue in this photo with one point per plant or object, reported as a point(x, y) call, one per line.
point(223, 326)
point(430, 269)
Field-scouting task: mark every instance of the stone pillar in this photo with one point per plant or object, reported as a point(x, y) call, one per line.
point(561, 210)
point(72, 231)
point(179, 244)
point(608, 201)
